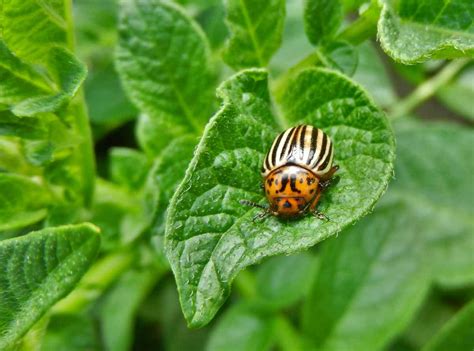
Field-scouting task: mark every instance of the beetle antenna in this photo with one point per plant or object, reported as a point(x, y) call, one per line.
point(252, 204)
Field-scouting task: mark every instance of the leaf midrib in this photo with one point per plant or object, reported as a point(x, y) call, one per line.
point(33, 297)
point(187, 113)
point(441, 30)
point(252, 33)
point(27, 79)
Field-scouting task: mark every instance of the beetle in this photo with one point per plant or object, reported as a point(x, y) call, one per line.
point(296, 170)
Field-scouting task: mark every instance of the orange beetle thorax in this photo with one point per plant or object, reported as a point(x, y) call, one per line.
point(290, 190)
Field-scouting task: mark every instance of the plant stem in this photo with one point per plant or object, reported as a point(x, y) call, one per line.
point(280, 84)
point(363, 27)
point(427, 89)
point(85, 151)
point(287, 336)
point(100, 276)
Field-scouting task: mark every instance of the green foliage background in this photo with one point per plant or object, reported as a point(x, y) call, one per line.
point(130, 130)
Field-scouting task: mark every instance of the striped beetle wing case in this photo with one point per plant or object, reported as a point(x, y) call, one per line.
point(304, 146)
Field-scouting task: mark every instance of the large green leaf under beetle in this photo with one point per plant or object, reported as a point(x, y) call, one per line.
point(211, 237)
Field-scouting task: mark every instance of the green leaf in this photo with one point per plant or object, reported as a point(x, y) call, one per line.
point(120, 306)
point(282, 281)
point(44, 46)
point(212, 21)
point(434, 180)
point(295, 44)
point(19, 80)
point(373, 76)
point(28, 92)
point(165, 64)
point(23, 201)
point(322, 19)
point(210, 235)
point(435, 311)
point(457, 333)
point(256, 28)
point(12, 159)
point(39, 269)
point(459, 94)
point(242, 328)
point(108, 106)
point(415, 31)
point(30, 28)
point(67, 72)
point(162, 307)
point(164, 177)
point(113, 206)
point(420, 233)
point(375, 263)
point(128, 167)
point(339, 55)
point(46, 128)
point(71, 332)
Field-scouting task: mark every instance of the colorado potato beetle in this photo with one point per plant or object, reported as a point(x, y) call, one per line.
point(295, 171)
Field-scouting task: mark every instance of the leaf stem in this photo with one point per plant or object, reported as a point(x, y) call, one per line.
point(280, 84)
point(427, 89)
point(287, 336)
point(363, 27)
point(95, 281)
point(85, 151)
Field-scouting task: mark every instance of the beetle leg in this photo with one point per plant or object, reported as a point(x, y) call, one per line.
point(319, 215)
point(252, 204)
point(261, 215)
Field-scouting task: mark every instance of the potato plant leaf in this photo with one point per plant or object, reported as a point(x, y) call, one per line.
point(377, 262)
point(322, 19)
point(165, 64)
point(457, 333)
point(31, 27)
point(256, 28)
point(372, 75)
point(421, 232)
point(164, 177)
point(128, 167)
point(27, 92)
point(414, 31)
point(120, 307)
point(440, 192)
point(242, 328)
point(39, 269)
point(283, 280)
point(22, 201)
point(211, 236)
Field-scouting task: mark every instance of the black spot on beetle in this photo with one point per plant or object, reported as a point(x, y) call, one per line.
point(301, 180)
point(268, 192)
point(287, 204)
point(310, 181)
point(311, 191)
